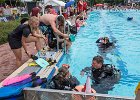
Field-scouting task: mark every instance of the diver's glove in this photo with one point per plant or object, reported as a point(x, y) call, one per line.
point(82, 73)
point(67, 88)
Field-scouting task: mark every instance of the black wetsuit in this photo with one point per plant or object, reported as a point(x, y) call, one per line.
point(104, 46)
point(99, 74)
point(15, 37)
point(60, 84)
point(64, 84)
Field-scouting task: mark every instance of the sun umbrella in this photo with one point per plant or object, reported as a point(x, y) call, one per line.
point(68, 4)
point(99, 4)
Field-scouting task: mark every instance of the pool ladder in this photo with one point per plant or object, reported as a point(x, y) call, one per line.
point(64, 31)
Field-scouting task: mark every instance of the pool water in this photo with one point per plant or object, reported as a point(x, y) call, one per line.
point(125, 56)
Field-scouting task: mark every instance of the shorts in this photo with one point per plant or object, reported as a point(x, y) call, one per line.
point(46, 29)
point(14, 43)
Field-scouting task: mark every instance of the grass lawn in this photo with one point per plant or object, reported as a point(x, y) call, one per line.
point(6, 28)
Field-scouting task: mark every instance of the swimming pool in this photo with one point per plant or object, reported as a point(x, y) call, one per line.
point(125, 56)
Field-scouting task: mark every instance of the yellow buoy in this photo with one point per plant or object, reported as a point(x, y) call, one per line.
point(137, 88)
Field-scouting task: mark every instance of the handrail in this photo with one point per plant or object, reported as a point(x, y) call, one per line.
point(57, 37)
point(78, 93)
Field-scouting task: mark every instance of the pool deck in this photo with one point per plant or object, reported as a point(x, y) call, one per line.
point(42, 72)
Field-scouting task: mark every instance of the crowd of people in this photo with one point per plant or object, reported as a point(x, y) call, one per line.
point(32, 30)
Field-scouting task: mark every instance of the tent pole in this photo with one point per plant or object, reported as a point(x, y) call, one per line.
point(60, 10)
point(43, 10)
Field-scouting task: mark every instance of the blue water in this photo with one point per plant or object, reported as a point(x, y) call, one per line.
point(125, 56)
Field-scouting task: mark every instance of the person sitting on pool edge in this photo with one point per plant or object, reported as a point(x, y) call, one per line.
point(104, 42)
point(100, 71)
point(25, 33)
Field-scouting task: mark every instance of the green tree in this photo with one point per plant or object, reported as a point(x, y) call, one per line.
point(36, 0)
point(116, 2)
point(99, 1)
point(2, 1)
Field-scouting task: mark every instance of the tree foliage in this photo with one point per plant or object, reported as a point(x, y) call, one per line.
point(2, 1)
point(6, 28)
point(106, 1)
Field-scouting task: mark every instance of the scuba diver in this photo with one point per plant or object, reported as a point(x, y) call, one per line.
point(100, 71)
point(105, 47)
point(104, 43)
point(63, 80)
point(129, 18)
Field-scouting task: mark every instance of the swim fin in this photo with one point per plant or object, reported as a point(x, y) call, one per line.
point(40, 61)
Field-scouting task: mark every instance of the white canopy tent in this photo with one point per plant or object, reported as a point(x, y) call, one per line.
point(54, 3)
point(26, 0)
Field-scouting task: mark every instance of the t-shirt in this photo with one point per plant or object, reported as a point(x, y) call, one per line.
point(80, 7)
point(21, 30)
point(85, 6)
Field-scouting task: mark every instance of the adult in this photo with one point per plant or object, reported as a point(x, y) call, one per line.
point(79, 22)
point(101, 71)
point(104, 42)
point(49, 20)
point(25, 33)
point(80, 6)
